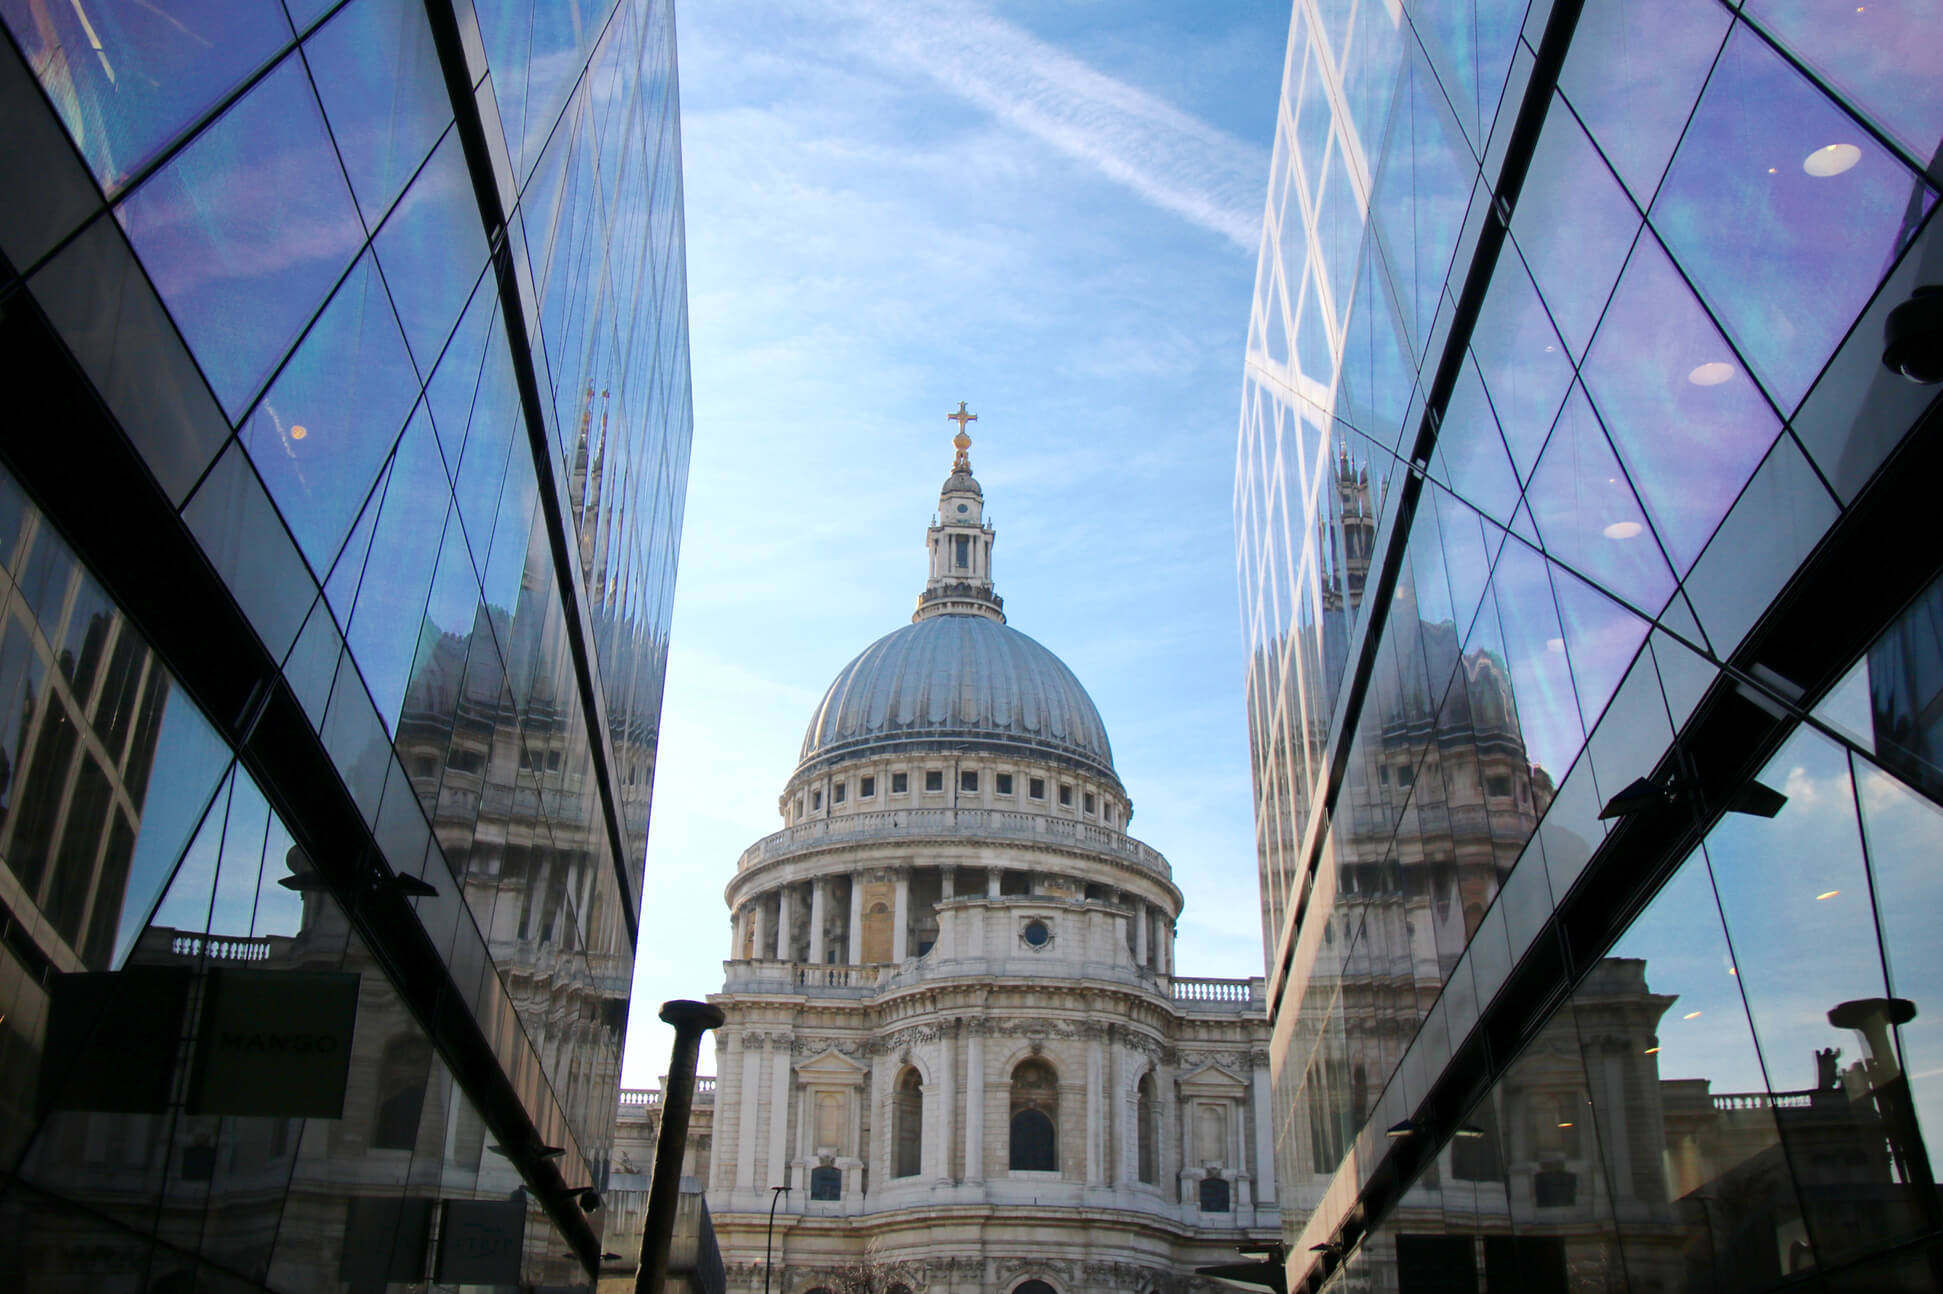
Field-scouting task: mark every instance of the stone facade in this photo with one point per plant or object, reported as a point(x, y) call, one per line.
point(955, 1031)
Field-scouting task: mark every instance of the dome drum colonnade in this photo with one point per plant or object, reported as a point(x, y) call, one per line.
point(954, 1028)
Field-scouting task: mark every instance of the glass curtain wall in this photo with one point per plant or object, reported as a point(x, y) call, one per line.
point(1564, 367)
point(384, 306)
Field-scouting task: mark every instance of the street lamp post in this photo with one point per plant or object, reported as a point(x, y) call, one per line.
point(776, 1194)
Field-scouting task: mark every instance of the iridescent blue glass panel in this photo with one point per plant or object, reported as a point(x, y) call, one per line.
point(1471, 454)
point(1520, 608)
point(245, 230)
point(1587, 514)
point(320, 435)
point(1784, 211)
point(127, 77)
point(431, 248)
point(1522, 362)
point(1881, 55)
point(378, 75)
point(383, 632)
point(1574, 225)
point(1633, 74)
point(1420, 196)
point(1659, 363)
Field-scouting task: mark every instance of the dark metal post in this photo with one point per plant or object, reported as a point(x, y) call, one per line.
point(691, 1020)
point(776, 1194)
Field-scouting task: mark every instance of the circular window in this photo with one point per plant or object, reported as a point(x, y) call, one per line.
point(964, 507)
point(1037, 934)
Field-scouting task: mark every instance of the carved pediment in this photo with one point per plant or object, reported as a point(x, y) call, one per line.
point(1212, 1080)
point(831, 1068)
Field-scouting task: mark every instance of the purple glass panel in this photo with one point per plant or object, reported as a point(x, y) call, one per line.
point(1587, 514)
point(1519, 613)
point(1522, 362)
point(1633, 74)
point(378, 75)
point(1471, 456)
point(1601, 639)
point(1689, 425)
point(1574, 225)
point(327, 424)
point(245, 230)
point(1882, 55)
point(126, 77)
point(1784, 212)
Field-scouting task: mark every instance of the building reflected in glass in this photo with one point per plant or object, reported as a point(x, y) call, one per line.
point(346, 347)
point(1596, 646)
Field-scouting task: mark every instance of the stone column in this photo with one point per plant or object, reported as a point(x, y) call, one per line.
point(765, 941)
point(975, 1100)
point(779, 1085)
point(994, 877)
point(817, 888)
point(948, 882)
point(745, 1134)
point(1141, 919)
point(855, 937)
point(1264, 1133)
point(901, 915)
point(785, 945)
point(1096, 1099)
point(947, 1084)
point(1165, 959)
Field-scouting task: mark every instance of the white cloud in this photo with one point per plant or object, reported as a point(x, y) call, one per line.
point(1134, 138)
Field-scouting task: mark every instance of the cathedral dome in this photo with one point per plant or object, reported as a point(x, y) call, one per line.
point(959, 680)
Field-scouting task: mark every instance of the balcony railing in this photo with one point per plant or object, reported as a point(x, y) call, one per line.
point(1762, 1100)
point(802, 977)
point(988, 824)
point(1217, 990)
point(220, 948)
point(641, 1098)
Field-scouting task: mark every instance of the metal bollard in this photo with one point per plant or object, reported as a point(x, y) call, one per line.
point(691, 1020)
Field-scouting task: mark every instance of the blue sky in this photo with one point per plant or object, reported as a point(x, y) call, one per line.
point(1050, 212)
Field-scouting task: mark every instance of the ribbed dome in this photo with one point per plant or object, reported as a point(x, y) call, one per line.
point(959, 679)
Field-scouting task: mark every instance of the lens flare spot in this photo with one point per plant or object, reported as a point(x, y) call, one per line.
point(1832, 160)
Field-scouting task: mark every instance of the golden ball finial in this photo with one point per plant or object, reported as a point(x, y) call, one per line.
point(961, 442)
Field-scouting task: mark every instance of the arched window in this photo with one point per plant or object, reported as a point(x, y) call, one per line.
point(1035, 1118)
point(1034, 1287)
point(1148, 1126)
point(907, 1124)
point(1214, 1195)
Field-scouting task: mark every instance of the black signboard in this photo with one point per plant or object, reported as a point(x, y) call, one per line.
point(480, 1242)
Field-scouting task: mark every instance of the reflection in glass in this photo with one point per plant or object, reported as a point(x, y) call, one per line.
point(328, 422)
point(378, 76)
point(1574, 225)
point(1633, 74)
point(1784, 243)
point(1659, 362)
point(1587, 514)
point(126, 77)
point(1522, 362)
point(1878, 55)
point(245, 230)
point(1803, 871)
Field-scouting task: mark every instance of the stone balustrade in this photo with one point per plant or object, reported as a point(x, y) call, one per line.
point(1193, 990)
point(645, 1098)
point(958, 824)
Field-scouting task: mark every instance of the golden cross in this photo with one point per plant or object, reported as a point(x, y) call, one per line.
point(961, 417)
